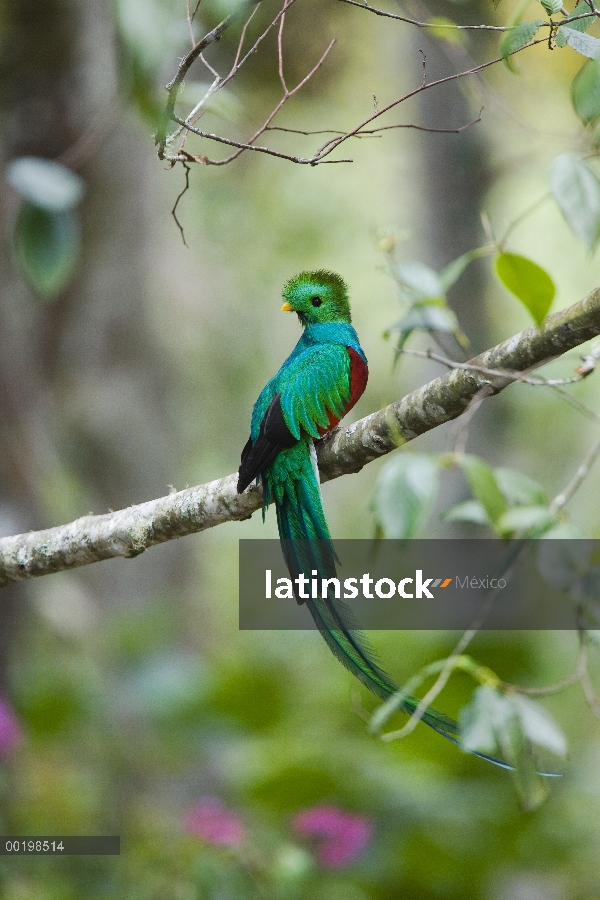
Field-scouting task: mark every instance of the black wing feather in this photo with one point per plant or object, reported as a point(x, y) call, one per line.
point(273, 436)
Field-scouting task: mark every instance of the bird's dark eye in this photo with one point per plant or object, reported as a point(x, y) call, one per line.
point(316, 301)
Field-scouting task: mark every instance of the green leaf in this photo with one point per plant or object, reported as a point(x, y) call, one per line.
point(585, 23)
point(565, 531)
point(468, 511)
point(582, 43)
point(484, 486)
point(531, 787)
point(585, 92)
point(481, 718)
point(433, 316)
point(452, 272)
point(418, 280)
point(493, 722)
point(538, 726)
point(527, 281)
point(429, 317)
point(45, 183)
point(576, 189)
point(404, 494)
point(46, 248)
point(519, 489)
point(519, 36)
point(552, 6)
point(525, 518)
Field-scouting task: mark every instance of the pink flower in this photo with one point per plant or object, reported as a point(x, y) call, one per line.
point(343, 836)
point(215, 824)
point(10, 730)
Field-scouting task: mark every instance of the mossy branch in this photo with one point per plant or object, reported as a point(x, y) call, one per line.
point(347, 449)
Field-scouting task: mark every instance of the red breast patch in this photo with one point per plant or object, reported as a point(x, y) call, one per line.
point(359, 374)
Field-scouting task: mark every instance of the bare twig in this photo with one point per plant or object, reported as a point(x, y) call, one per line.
point(578, 674)
point(590, 695)
point(589, 364)
point(389, 15)
point(188, 126)
point(447, 670)
point(523, 216)
point(185, 188)
point(464, 422)
point(250, 145)
point(452, 26)
point(374, 132)
point(322, 153)
point(280, 54)
point(580, 475)
point(577, 404)
point(219, 83)
point(191, 16)
point(332, 144)
point(185, 65)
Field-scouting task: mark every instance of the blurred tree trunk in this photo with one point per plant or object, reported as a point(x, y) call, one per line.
point(83, 393)
point(456, 169)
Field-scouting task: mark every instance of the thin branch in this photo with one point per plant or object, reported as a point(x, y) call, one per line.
point(175, 84)
point(346, 449)
point(331, 145)
point(580, 475)
point(589, 364)
point(389, 15)
point(242, 41)
point(453, 26)
point(185, 188)
point(374, 132)
point(578, 674)
point(187, 125)
point(577, 404)
point(219, 83)
point(431, 130)
point(250, 145)
point(524, 215)
point(447, 670)
point(212, 71)
point(280, 54)
point(590, 695)
point(464, 422)
point(191, 16)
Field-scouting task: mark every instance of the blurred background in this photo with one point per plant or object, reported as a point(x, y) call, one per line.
point(236, 765)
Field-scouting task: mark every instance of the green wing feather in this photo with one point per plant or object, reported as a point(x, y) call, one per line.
point(315, 384)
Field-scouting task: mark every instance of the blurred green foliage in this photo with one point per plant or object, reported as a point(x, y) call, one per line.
point(135, 691)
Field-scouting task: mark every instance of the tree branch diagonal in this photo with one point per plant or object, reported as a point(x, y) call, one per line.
point(128, 532)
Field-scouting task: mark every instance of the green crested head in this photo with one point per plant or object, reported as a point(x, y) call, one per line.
point(317, 297)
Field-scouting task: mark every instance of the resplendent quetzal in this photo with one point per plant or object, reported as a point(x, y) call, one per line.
point(315, 387)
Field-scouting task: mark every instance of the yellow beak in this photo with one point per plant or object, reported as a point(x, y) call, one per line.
point(286, 308)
